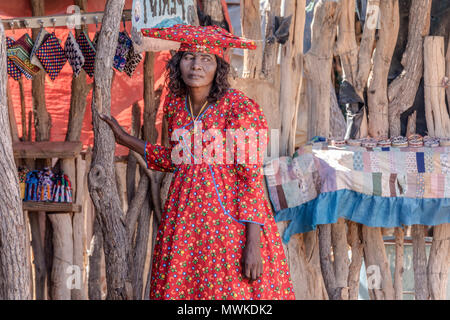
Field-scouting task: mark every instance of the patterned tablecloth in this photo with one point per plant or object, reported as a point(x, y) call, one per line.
point(378, 187)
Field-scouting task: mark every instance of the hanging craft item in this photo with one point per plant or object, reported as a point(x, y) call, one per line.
point(13, 71)
point(74, 54)
point(32, 180)
point(20, 54)
point(52, 56)
point(88, 50)
point(45, 185)
point(42, 36)
point(123, 47)
point(133, 60)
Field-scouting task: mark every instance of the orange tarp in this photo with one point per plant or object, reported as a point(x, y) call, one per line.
point(125, 90)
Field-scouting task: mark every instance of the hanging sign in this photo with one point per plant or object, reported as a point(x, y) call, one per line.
point(159, 14)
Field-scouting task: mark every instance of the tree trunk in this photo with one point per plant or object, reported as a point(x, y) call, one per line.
point(102, 186)
point(354, 238)
point(377, 93)
point(439, 262)
point(251, 29)
point(340, 256)
point(398, 273)
point(420, 263)
point(95, 257)
point(402, 91)
point(438, 120)
point(317, 64)
point(291, 72)
point(377, 266)
point(14, 263)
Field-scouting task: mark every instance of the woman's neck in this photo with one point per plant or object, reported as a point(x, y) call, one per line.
point(198, 97)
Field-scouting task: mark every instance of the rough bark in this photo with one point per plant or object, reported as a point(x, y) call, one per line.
point(102, 186)
point(398, 273)
point(354, 239)
point(291, 72)
point(346, 46)
point(420, 263)
point(340, 256)
point(95, 256)
point(317, 66)
point(22, 109)
point(402, 91)
point(42, 118)
point(377, 266)
point(251, 29)
point(269, 58)
point(437, 116)
point(12, 118)
point(439, 262)
point(131, 161)
point(447, 68)
point(366, 46)
point(14, 263)
point(377, 92)
point(326, 262)
point(411, 127)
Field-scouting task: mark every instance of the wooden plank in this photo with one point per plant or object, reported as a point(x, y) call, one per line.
point(46, 149)
point(50, 207)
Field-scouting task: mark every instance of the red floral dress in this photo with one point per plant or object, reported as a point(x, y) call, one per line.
point(198, 249)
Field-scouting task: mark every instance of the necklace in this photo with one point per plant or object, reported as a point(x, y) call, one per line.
point(192, 112)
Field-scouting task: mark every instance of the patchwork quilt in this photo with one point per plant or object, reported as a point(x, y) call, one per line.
point(378, 187)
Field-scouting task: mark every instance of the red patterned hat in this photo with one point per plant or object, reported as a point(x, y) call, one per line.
point(209, 39)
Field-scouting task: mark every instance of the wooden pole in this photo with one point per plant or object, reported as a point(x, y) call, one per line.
point(402, 91)
point(438, 119)
point(377, 93)
point(439, 262)
point(399, 253)
point(14, 266)
point(420, 263)
point(102, 186)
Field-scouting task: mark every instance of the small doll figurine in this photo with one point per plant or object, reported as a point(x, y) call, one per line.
point(45, 185)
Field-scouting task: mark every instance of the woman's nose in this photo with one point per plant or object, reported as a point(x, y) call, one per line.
point(196, 65)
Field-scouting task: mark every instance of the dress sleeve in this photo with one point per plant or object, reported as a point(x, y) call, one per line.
point(159, 157)
point(249, 120)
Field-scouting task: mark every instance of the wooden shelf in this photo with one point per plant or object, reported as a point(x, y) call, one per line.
point(51, 207)
point(47, 149)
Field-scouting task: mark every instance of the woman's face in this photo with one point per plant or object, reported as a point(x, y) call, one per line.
point(198, 69)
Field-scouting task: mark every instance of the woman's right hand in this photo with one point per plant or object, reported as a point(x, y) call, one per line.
point(118, 131)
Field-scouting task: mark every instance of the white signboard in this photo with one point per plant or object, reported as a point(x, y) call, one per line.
point(159, 14)
point(162, 13)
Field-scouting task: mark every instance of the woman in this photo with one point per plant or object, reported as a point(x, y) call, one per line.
point(217, 238)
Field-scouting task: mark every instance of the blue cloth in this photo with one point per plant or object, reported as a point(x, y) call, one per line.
point(372, 211)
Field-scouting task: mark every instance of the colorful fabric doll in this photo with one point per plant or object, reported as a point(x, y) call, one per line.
point(22, 181)
point(32, 181)
point(67, 189)
point(45, 185)
point(52, 56)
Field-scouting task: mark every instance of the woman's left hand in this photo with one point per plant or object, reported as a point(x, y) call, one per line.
point(251, 256)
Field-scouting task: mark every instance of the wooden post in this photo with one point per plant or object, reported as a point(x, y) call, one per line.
point(399, 253)
point(377, 266)
point(377, 93)
point(439, 262)
point(438, 120)
point(317, 64)
point(420, 263)
point(402, 91)
point(102, 186)
point(291, 73)
point(251, 29)
point(354, 239)
point(14, 266)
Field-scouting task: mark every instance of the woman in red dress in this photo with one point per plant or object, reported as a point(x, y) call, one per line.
point(217, 238)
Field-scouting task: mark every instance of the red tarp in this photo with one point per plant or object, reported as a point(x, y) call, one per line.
point(124, 93)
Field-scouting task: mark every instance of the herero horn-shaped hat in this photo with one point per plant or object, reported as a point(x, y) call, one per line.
point(207, 39)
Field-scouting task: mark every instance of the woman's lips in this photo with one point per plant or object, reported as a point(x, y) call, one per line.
point(195, 76)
